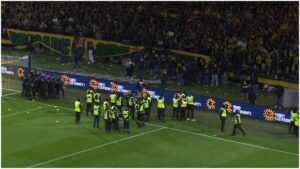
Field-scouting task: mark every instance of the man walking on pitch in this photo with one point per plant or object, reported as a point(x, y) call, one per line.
point(223, 116)
point(237, 123)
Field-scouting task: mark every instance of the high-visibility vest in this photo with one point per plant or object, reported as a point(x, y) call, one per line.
point(113, 98)
point(160, 103)
point(146, 103)
point(97, 97)
point(106, 114)
point(237, 119)
point(297, 119)
point(141, 109)
point(175, 102)
point(119, 101)
point(136, 108)
point(183, 103)
point(130, 102)
point(91, 91)
point(105, 105)
point(190, 100)
point(224, 114)
point(77, 106)
point(125, 114)
point(96, 110)
point(89, 98)
point(112, 114)
point(292, 119)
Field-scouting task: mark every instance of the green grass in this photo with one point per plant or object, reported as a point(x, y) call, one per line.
point(52, 62)
point(30, 139)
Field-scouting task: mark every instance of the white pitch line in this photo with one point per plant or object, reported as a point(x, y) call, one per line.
point(11, 90)
point(96, 147)
point(232, 141)
point(199, 134)
point(9, 94)
point(30, 110)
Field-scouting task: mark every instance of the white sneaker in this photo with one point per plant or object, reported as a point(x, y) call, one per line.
point(188, 119)
point(193, 120)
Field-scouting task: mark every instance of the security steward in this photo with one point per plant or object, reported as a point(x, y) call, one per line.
point(223, 116)
point(97, 97)
point(147, 105)
point(141, 114)
point(161, 108)
point(183, 107)
point(292, 121)
point(131, 106)
point(237, 123)
point(89, 102)
point(120, 103)
point(78, 111)
point(115, 120)
point(126, 122)
point(113, 99)
point(190, 108)
point(106, 114)
point(112, 116)
point(296, 128)
point(97, 114)
point(175, 107)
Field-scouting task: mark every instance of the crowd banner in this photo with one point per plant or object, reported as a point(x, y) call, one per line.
point(201, 102)
point(55, 42)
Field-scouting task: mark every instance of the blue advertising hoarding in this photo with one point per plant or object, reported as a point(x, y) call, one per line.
point(201, 102)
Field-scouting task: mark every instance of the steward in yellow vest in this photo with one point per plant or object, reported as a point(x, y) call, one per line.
point(190, 108)
point(97, 98)
point(78, 110)
point(105, 105)
point(113, 99)
point(126, 124)
point(147, 106)
point(96, 113)
point(131, 105)
point(89, 102)
point(183, 107)
point(175, 108)
point(114, 114)
point(161, 108)
point(296, 121)
point(223, 116)
point(141, 114)
point(119, 103)
point(237, 123)
point(107, 118)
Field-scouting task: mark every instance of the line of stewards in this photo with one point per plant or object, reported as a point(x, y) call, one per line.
point(78, 110)
point(161, 108)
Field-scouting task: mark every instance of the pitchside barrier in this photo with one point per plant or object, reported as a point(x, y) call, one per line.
point(201, 102)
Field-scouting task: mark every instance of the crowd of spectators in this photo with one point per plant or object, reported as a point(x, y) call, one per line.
point(259, 36)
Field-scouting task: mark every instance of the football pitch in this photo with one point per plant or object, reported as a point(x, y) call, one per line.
point(43, 134)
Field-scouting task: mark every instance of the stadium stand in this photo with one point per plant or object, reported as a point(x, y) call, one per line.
point(262, 36)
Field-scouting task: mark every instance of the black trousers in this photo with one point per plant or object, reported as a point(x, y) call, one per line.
point(131, 109)
point(140, 119)
point(147, 111)
point(161, 114)
point(223, 120)
point(113, 104)
point(190, 111)
point(182, 113)
point(107, 125)
point(239, 126)
point(96, 121)
point(77, 117)
point(292, 125)
point(89, 108)
point(120, 111)
point(126, 125)
point(175, 113)
point(296, 131)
